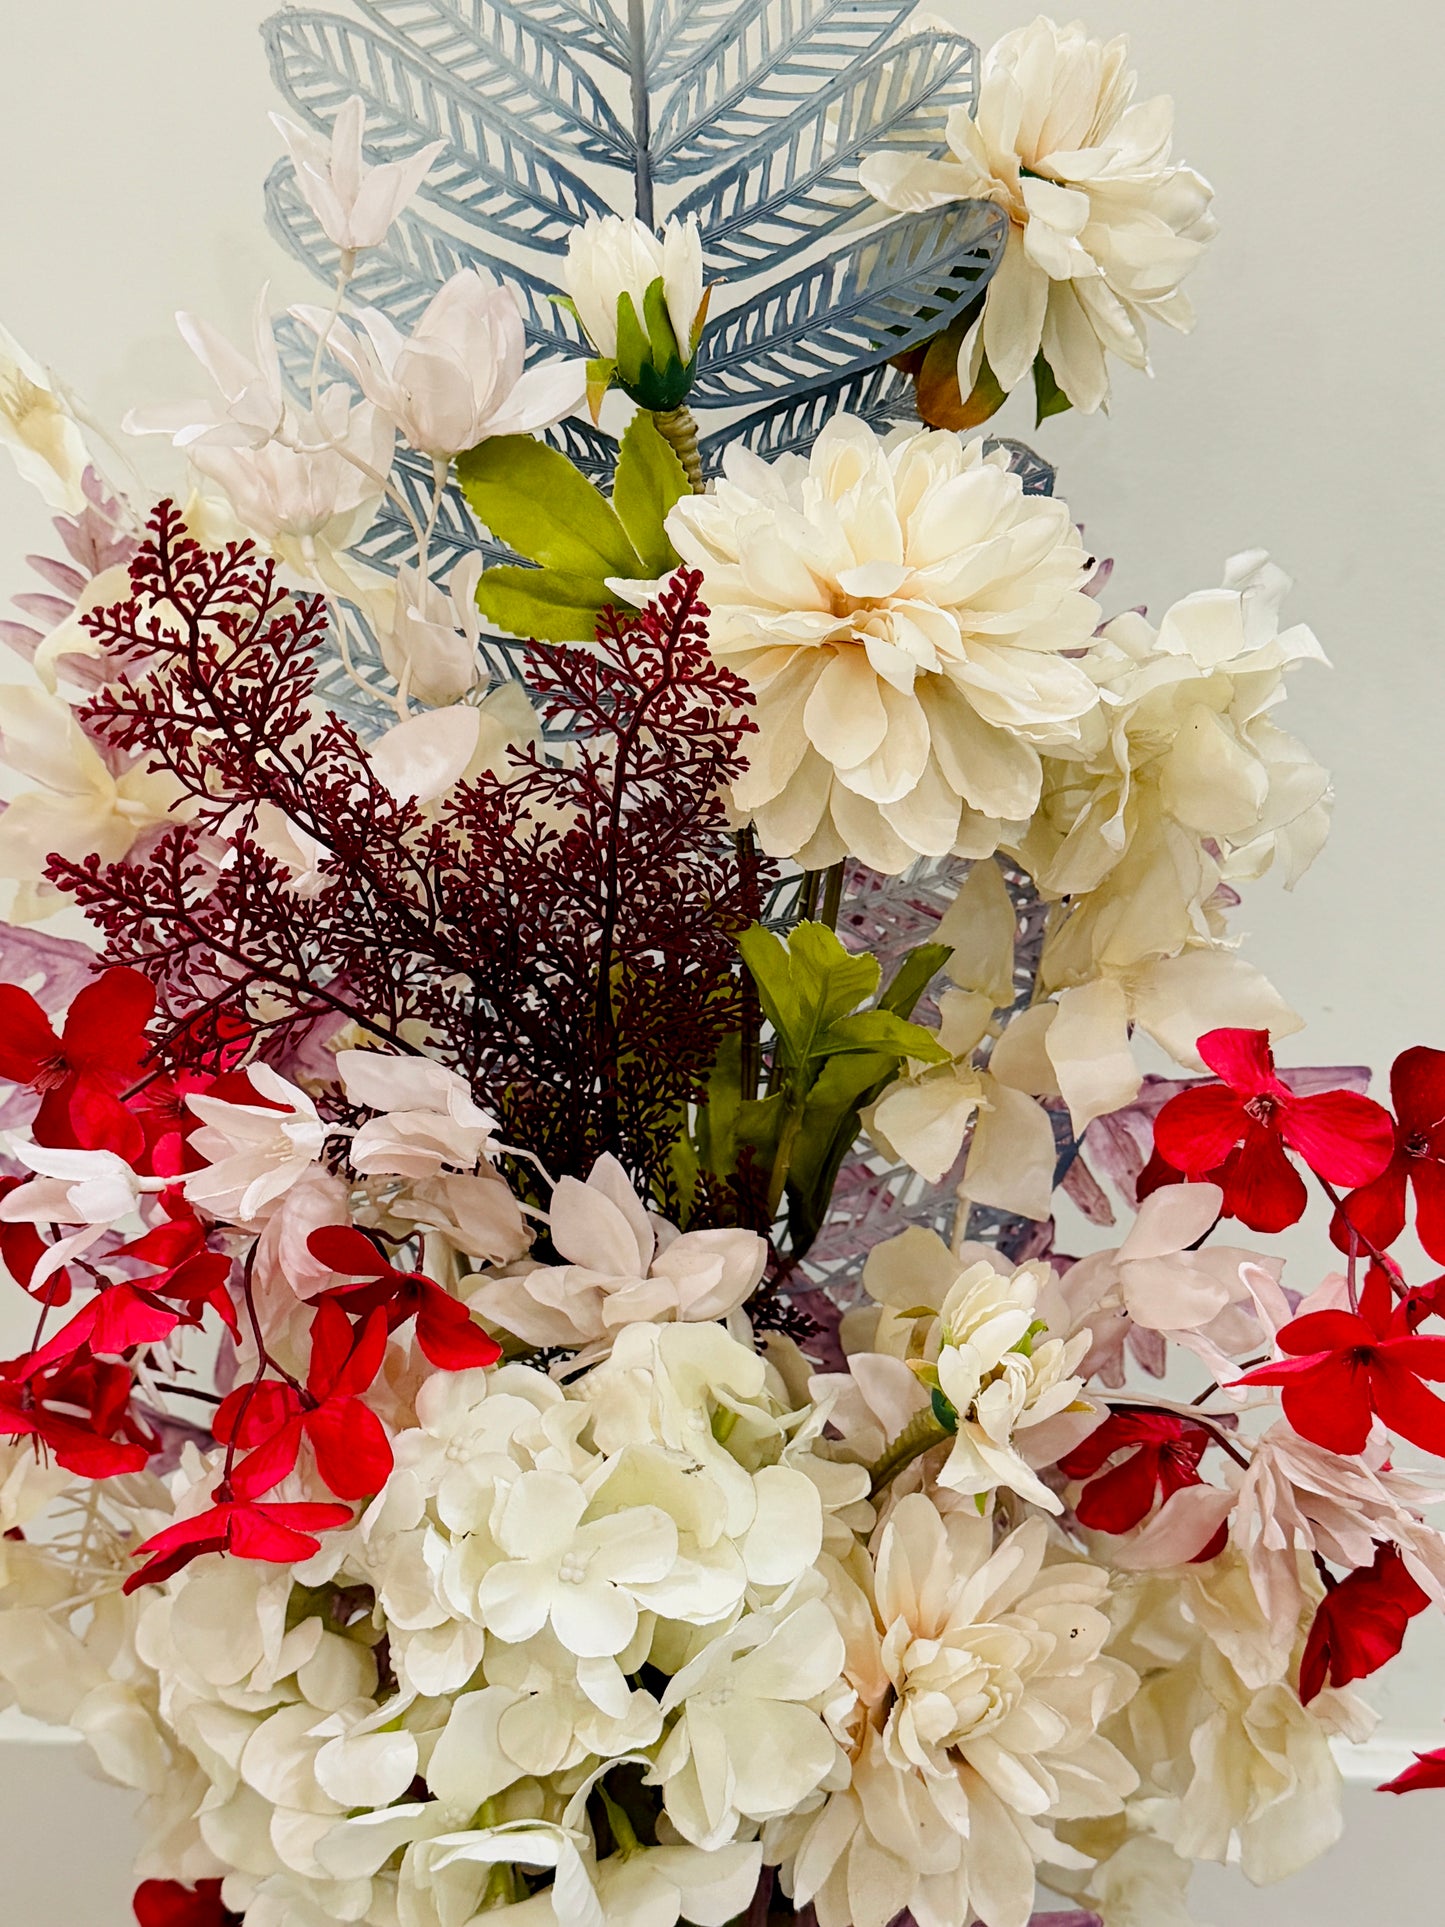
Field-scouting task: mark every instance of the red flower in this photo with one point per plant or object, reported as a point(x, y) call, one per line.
point(1344, 1368)
point(166, 1903)
point(1377, 1210)
point(114, 1321)
point(1237, 1133)
point(445, 1331)
point(81, 1073)
point(1360, 1624)
point(353, 1453)
point(186, 1267)
point(1428, 1770)
point(93, 1433)
point(1163, 1455)
point(283, 1534)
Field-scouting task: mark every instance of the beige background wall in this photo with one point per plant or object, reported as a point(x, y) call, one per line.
point(1304, 416)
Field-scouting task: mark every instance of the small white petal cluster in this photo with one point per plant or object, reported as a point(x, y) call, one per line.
point(1103, 224)
point(623, 1266)
point(908, 620)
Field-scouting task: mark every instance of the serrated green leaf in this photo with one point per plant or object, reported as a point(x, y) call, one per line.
point(547, 604)
point(533, 499)
point(649, 480)
point(880, 1030)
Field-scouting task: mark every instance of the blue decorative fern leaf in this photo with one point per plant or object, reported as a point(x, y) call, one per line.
point(797, 180)
point(752, 76)
point(518, 72)
point(684, 33)
point(489, 175)
point(866, 302)
point(882, 396)
point(405, 271)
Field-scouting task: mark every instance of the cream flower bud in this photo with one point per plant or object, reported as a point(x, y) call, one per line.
point(38, 429)
point(354, 203)
point(640, 300)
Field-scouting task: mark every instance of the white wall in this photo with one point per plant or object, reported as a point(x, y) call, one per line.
point(1305, 416)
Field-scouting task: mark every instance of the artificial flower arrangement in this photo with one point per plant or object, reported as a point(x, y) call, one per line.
point(621, 858)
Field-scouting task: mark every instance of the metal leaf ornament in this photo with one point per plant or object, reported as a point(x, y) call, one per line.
point(750, 115)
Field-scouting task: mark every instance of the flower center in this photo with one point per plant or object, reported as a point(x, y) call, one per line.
point(1263, 1109)
point(1416, 1145)
point(51, 1073)
point(573, 1568)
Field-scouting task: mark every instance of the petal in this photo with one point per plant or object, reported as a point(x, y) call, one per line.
point(1405, 1405)
point(1196, 1131)
point(1427, 1179)
point(1330, 1405)
point(1417, 1087)
point(1261, 1187)
point(353, 1453)
point(1344, 1137)
point(1122, 1496)
point(1242, 1058)
point(1377, 1211)
point(26, 1038)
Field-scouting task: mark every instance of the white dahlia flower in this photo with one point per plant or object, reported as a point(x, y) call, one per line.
point(1104, 226)
point(979, 1686)
point(905, 615)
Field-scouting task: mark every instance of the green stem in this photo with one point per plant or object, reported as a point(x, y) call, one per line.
point(783, 1157)
point(678, 426)
point(920, 1435)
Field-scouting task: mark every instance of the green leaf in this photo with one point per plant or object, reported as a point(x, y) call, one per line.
point(913, 976)
point(650, 479)
point(547, 604)
point(634, 350)
point(664, 343)
point(806, 985)
point(532, 498)
point(1048, 395)
point(880, 1030)
point(944, 1412)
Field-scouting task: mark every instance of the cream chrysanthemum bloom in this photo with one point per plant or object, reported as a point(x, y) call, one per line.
point(1104, 226)
point(978, 1686)
point(905, 615)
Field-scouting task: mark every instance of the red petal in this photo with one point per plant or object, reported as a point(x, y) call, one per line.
point(26, 1038)
point(1242, 1058)
point(252, 1413)
point(331, 1342)
point(360, 1370)
point(124, 1318)
point(100, 1122)
point(1428, 1770)
point(166, 1903)
point(105, 1028)
point(1324, 1331)
point(447, 1336)
point(1122, 1497)
point(253, 1536)
point(1427, 1179)
point(1376, 1211)
point(1344, 1137)
point(1404, 1404)
point(1421, 1354)
point(1197, 1130)
point(344, 1249)
point(353, 1453)
point(1261, 1187)
point(1330, 1405)
point(1360, 1624)
point(273, 1460)
point(1417, 1088)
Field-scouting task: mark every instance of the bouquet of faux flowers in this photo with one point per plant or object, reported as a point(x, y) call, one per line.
point(621, 859)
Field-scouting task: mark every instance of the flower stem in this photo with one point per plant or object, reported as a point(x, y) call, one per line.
point(678, 426)
point(920, 1435)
